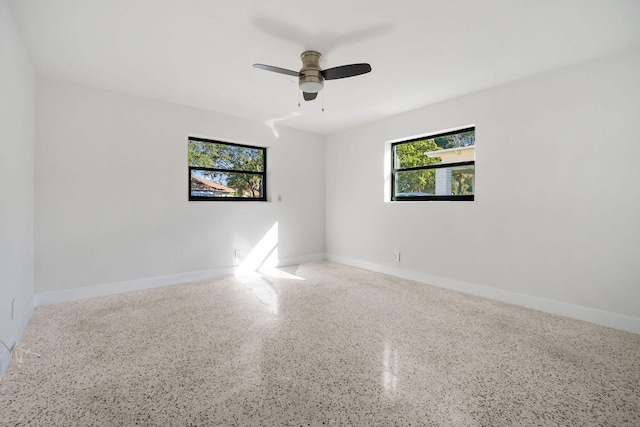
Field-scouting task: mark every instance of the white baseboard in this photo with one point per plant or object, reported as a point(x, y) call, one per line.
point(5, 355)
point(301, 259)
point(64, 295)
point(599, 317)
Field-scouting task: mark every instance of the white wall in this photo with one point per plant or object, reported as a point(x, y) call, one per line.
point(17, 117)
point(557, 209)
point(111, 190)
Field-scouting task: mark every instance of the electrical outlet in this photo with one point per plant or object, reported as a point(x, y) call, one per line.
point(396, 256)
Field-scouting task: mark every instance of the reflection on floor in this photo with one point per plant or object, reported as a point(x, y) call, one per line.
point(317, 344)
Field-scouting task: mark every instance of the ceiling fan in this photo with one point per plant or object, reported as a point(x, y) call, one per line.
point(311, 77)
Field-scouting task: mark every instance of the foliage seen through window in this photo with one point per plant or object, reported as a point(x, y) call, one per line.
point(225, 171)
point(439, 167)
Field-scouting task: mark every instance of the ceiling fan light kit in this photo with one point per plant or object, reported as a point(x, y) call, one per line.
point(311, 77)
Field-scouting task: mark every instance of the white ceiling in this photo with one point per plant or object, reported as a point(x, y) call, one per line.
point(199, 52)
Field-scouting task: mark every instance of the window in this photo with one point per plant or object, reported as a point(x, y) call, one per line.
point(437, 167)
point(221, 171)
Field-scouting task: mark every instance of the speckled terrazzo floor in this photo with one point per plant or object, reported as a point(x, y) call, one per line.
point(323, 344)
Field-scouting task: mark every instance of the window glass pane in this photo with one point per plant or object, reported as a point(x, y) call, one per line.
point(462, 180)
point(412, 154)
point(451, 181)
point(453, 148)
point(226, 184)
point(457, 139)
point(415, 183)
point(224, 156)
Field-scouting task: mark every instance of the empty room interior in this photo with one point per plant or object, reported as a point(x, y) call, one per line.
point(345, 213)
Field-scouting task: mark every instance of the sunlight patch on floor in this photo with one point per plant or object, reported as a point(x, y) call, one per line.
point(259, 268)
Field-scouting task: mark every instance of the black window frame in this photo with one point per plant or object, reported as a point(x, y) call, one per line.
point(262, 174)
point(394, 170)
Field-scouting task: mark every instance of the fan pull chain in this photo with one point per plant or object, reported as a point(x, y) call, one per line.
point(323, 101)
point(299, 99)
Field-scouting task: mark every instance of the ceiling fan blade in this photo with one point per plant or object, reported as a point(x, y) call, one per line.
point(309, 96)
point(345, 71)
point(277, 69)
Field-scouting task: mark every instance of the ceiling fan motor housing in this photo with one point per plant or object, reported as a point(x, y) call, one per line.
point(311, 79)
